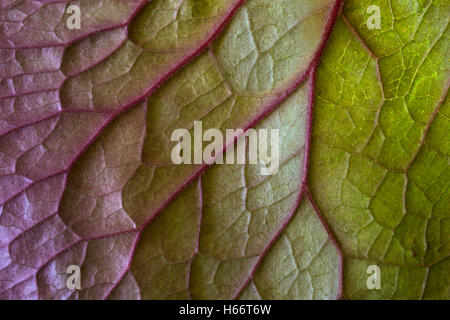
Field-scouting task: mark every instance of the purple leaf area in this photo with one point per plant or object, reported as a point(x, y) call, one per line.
point(40, 24)
point(65, 163)
point(86, 176)
point(38, 101)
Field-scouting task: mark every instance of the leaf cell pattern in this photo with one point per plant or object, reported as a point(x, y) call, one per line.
point(86, 176)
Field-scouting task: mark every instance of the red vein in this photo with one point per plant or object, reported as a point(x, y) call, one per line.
point(332, 239)
point(312, 73)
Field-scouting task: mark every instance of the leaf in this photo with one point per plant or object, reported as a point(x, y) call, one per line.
point(86, 176)
point(380, 172)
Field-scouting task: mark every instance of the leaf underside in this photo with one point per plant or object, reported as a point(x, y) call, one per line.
point(86, 176)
